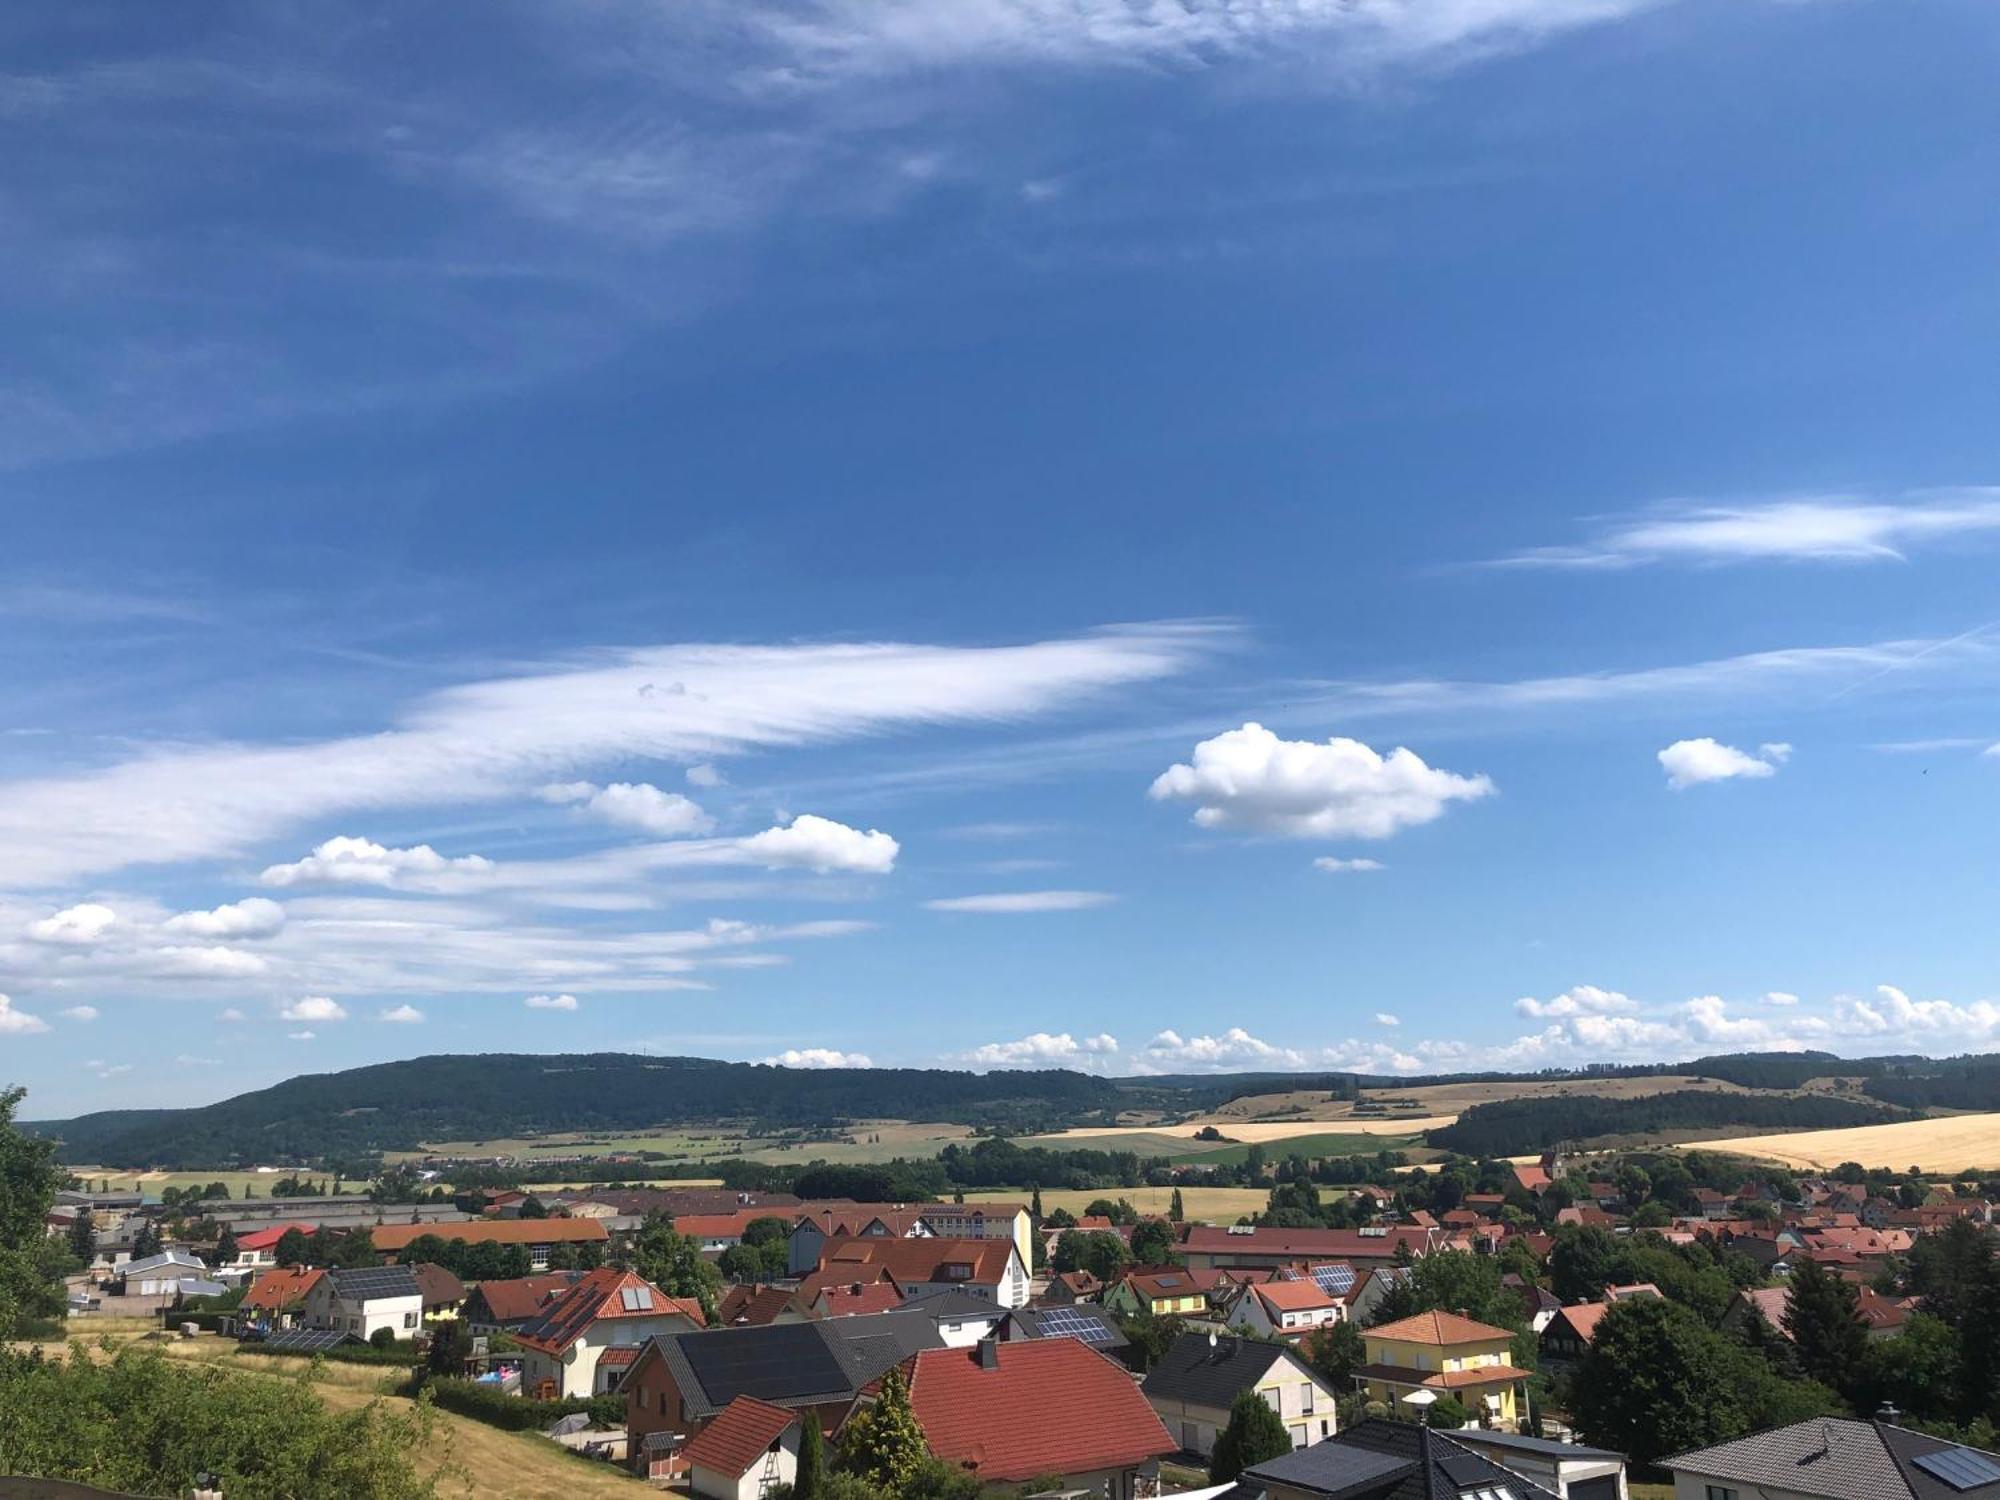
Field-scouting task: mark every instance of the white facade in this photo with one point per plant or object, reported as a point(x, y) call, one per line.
point(1253, 1314)
point(779, 1466)
point(402, 1316)
point(574, 1371)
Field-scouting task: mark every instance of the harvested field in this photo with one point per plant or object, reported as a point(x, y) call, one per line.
point(1245, 1132)
point(1952, 1143)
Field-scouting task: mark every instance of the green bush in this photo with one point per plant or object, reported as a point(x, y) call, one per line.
point(485, 1403)
point(347, 1354)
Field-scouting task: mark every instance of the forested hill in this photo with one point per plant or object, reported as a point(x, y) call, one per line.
point(1521, 1127)
point(400, 1105)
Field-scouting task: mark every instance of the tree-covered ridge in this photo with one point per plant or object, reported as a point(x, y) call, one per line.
point(1953, 1083)
point(1520, 1127)
point(398, 1106)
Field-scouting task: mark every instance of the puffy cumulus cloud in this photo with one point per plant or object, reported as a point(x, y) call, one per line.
point(634, 804)
point(1334, 866)
point(18, 1022)
point(314, 1008)
point(254, 917)
point(356, 861)
point(1781, 998)
point(402, 1015)
point(810, 842)
point(551, 1002)
point(74, 926)
point(1041, 1049)
point(1581, 1000)
point(1008, 902)
point(80, 1012)
point(1233, 1048)
point(212, 962)
point(1708, 1020)
point(1891, 1012)
point(1384, 1018)
point(1693, 762)
point(818, 1057)
point(1250, 780)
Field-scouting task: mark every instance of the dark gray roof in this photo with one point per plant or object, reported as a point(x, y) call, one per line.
point(1201, 1374)
point(791, 1364)
point(1385, 1460)
point(1838, 1457)
point(366, 1283)
point(1069, 1320)
point(954, 1304)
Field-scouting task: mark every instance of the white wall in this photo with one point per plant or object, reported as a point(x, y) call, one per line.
point(713, 1486)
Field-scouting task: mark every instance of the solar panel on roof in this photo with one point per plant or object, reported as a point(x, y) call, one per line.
point(642, 1299)
point(1336, 1280)
point(1961, 1468)
point(376, 1281)
point(771, 1363)
point(1064, 1323)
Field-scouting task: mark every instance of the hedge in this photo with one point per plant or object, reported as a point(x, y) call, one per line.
point(486, 1403)
point(349, 1354)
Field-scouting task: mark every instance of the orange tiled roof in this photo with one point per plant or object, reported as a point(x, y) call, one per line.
point(1438, 1328)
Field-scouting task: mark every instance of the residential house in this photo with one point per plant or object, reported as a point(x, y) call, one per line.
point(1568, 1335)
point(854, 1299)
point(925, 1267)
point(1072, 1286)
point(1285, 1309)
point(757, 1304)
point(984, 1221)
point(1445, 1354)
point(1013, 1412)
point(1253, 1248)
point(538, 1235)
point(443, 1293)
point(1837, 1458)
point(1570, 1470)
point(1199, 1376)
point(717, 1232)
point(366, 1300)
point(503, 1305)
point(1885, 1317)
point(1387, 1460)
point(750, 1449)
point(962, 1320)
point(1371, 1288)
point(1091, 1324)
point(1539, 1305)
point(1168, 1293)
point(258, 1248)
point(820, 1225)
point(680, 1382)
point(162, 1275)
point(606, 1309)
point(276, 1300)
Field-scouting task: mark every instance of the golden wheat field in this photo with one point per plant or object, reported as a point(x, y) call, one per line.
point(1953, 1143)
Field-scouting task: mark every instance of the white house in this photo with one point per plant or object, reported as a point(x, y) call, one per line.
point(366, 1300)
point(747, 1451)
point(161, 1275)
point(1286, 1309)
point(1199, 1376)
point(565, 1350)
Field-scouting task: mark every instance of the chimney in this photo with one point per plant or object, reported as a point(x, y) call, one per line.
point(1888, 1413)
point(989, 1353)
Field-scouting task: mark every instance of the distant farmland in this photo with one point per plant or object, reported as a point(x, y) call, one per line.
point(1952, 1143)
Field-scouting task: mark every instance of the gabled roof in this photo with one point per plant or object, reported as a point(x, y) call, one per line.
point(741, 1435)
point(440, 1288)
point(789, 1364)
point(1048, 1406)
point(520, 1299)
point(985, 1262)
point(1208, 1374)
point(267, 1239)
point(604, 1295)
point(1437, 1328)
point(1293, 1296)
point(748, 1303)
point(374, 1283)
point(726, 1226)
point(856, 1298)
point(1067, 1321)
point(1581, 1320)
point(1842, 1459)
point(1306, 1244)
point(276, 1290)
point(1385, 1460)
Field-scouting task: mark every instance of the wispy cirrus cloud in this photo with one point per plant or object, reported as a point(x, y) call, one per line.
point(1829, 528)
point(1008, 903)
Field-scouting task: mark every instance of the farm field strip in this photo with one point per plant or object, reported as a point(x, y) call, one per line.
point(1246, 1132)
point(1952, 1143)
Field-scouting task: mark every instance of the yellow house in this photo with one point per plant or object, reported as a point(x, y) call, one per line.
point(1447, 1355)
point(1164, 1294)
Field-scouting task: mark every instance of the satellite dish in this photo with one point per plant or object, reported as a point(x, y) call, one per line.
point(1211, 1338)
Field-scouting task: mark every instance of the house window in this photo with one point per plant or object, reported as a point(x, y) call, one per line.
point(409, 1320)
point(1276, 1398)
point(1306, 1398)
point(1717, 1492)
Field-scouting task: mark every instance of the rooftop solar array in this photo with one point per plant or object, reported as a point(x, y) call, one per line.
point(1335, 1279)
point(1067, 1323)
point(636, 1298)
point(368, 1282)
point(309, 1339)
point(786, 1360)
point(1961, 1468)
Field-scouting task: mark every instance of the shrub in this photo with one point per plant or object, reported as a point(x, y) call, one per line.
point(485, 1403)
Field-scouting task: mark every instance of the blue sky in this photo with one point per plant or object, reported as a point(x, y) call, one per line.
point(1411, 535)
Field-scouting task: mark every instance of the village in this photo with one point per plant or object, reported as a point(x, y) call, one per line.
point(738, 1345)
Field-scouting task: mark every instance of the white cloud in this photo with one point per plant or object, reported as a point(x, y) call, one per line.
point(1835, 528)
point(345, 860)
point(1235, 1048)
point(1384, 1018)
point(230, 1016)
point(1709, 1021)
point(705, 777)
point(300, 1036)
point(486, 741)
point(1007, 902)
point(810, 842)
point(401, 1015)
point(255, 917)
point(1891, 1012)
point(1692, 762)
point(550, 1002)
point(314, 1008)
point(105, 1069)
point(81, 1012)
point(214, 962)
point(1781, 998)
point(1581, 1000)
point(1334, 866)
point(1251, 780)
point(1041, 1049)
point(18, 1022)
point(818, 1057)
point(630, 804)
point(74, 926)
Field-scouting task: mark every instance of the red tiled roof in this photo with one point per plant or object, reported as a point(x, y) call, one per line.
point(267, 1239)
point(520, 1297)
point(1049, 1406)
point(725, 1226)
point(857, 1297)
point(1437, 1328)
point(741, 1433)
point(1442, 1380)
point(618, 1356)
point(389, 1238)
point(599, 1297)
point(279, 1289)
point(1293, 1296)
point(1305, 1244)
point(985, 1261)
point(1582, 1319)
point(755, 1305)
